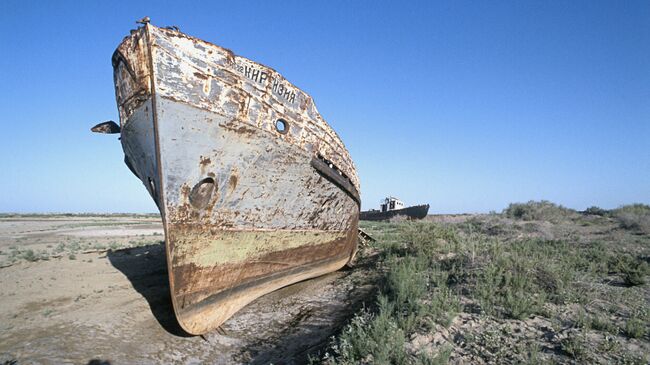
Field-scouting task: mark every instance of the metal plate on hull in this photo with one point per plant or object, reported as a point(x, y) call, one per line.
point(245, 209)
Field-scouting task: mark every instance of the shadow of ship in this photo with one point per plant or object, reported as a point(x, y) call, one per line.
point(146, 269)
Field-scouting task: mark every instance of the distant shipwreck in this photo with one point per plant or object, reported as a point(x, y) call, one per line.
point(393, 207)
point(256, 191)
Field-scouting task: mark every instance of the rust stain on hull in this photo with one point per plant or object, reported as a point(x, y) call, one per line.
point(217, 291)
point(255, 189)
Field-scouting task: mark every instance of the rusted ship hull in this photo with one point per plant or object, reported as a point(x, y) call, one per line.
point(255, 190)
point(414, 212)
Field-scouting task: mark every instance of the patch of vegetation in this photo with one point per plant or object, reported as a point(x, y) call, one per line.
point(59, 248)
point(634, 217)
point(593, 210)
point(635, 328)
point(602, 323)
point(575, 346)
point(74, 247)
point(634, 270)
point(29, 255)
point(48, 312)
point(541, 210)
point(414, 296)
point(496, 345)
point(442, 357)
point(509, 277)
point(372, 338)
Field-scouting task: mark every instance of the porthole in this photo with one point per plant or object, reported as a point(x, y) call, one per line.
point(281, 126)
point(201, 193)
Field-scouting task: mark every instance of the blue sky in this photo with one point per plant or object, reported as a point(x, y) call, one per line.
point(465, 105)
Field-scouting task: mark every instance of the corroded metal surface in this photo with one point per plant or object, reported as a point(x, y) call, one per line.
point(256, 190)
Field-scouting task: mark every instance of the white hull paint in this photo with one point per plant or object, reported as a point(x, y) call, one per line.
point(247, 208)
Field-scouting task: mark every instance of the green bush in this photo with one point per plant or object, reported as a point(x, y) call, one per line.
point(575, 345)
point(635, 328)
point(517, 282)
point(59, 248)
point(634, 270)
point(406, 286)
point(425, 269)
point(634, 217)
point(29, 255)
point(601, 323)
point(425, 239)
point(372, 339)
point(594, 210)
point(542, 210)
point(635, 275)
point(443, 307)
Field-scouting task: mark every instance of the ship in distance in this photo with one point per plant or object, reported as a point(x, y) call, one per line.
point(393, 207)
point(256, 191)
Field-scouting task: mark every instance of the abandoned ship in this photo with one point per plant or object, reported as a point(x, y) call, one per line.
point(392, 207)
point(256, 191)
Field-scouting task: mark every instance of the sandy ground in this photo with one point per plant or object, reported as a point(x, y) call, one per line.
point(86, 302)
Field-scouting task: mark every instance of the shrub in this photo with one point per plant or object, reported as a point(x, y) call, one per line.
point(574, 345)
point(582, 320)
point(594, 210)
point(634, 217)
point(511, 285)
point(429, 359)
point(406, 286)
point(635, 275)
point(425, 239)
point(601, 323)
point(59, 248)
point(635, 328)
point(29, 255)
point(519, 299)
point(443, 307)
point(372, 339)
point(634, 270)
point(542, 210)
point(74, 247)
